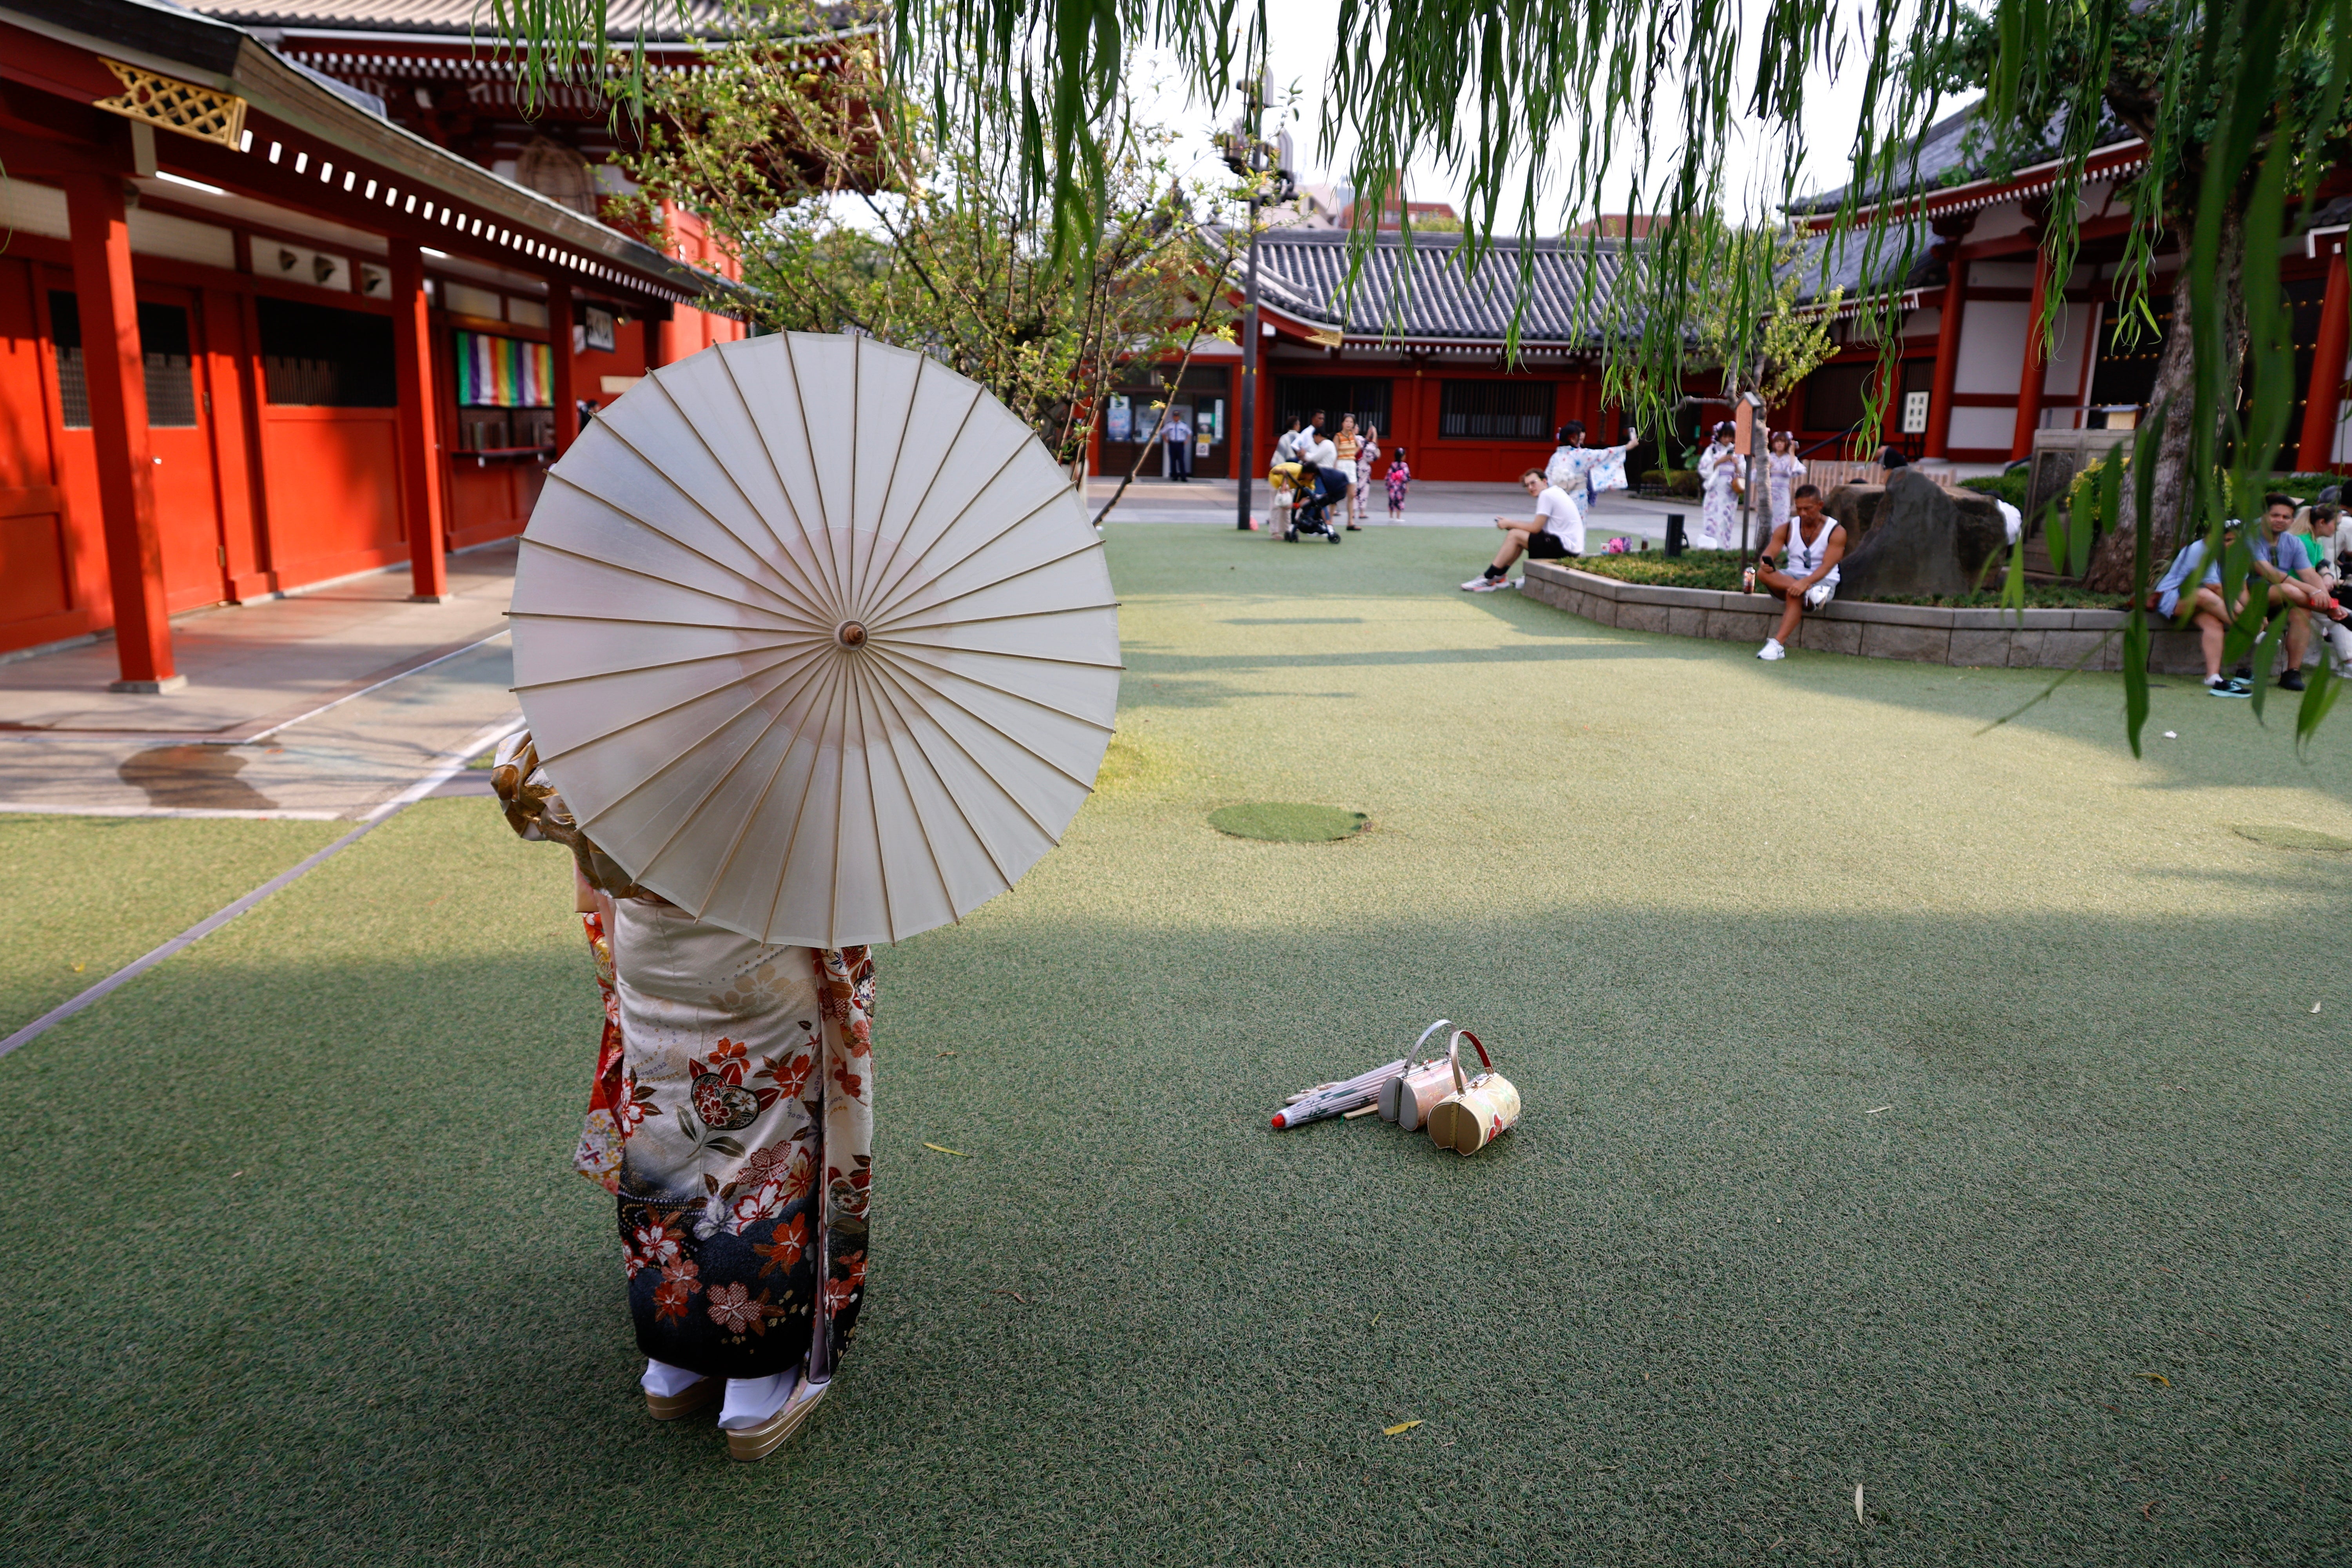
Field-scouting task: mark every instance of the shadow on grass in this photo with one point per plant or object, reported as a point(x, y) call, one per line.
point(300, 1271)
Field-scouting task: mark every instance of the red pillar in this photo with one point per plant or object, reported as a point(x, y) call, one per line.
point(1948, 357)
point(2033, 373)
point(559, 329)
point(118, 417)
point(420, 426)
point(2325, 400)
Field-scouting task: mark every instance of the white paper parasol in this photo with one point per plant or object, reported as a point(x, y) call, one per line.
point(816, 639)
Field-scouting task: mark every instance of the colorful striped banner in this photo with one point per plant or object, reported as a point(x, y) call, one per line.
point(504, 373)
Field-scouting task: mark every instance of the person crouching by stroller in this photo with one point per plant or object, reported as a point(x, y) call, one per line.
point(1815, 543)
point(1555, 532)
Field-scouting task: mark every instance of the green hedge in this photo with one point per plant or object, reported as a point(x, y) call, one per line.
point(2010, 487)
point(1719, 569)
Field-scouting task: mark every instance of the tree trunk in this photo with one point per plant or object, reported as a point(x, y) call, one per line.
point(2173, 493)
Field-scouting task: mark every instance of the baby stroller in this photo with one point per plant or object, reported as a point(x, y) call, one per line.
point(1318, 491)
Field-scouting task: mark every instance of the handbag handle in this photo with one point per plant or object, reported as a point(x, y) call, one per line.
point(1454, 1057)
point(1441, 1024)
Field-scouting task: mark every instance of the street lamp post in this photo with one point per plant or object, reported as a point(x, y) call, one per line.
point(1246, 156)
point(1245, 450)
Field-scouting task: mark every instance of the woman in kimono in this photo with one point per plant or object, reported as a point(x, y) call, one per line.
point(1366, 455)
point(1720, 483)
point(732, 1119)
point(1582, 471)
point(1782, 469)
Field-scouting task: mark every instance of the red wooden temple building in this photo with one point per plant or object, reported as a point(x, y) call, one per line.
point(1416, 348)
point(281, 304)
point(1976, 387)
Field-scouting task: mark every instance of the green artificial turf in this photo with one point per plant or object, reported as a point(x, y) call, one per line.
point(1903, 1102)
point(88, 894)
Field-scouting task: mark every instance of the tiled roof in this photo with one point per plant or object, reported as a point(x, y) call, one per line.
point(1304, 273)
point(1903, 261)
point(1947, 159)
point(661, 19)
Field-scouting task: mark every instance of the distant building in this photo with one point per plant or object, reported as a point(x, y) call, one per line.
point(1965, 262)
point(1419, 352)
point(287, 302)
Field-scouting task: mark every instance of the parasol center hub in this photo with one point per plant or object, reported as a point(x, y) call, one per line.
point(850, 634)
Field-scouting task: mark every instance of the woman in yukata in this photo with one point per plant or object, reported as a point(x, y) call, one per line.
point(1782, 469)
point(1720, 485)
point(1582, 471)
point(732, 1119)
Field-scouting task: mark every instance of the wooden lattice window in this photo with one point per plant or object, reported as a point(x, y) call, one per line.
point(183, 107)
point(558, 172)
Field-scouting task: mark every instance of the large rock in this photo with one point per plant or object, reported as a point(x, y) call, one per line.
point(1855, 505)
point(1983, 536)
point(1918, 542)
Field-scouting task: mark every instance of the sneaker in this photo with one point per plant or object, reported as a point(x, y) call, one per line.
point(1482, 584)
point(2291, 681)
point(2242, 685)
point(1817, 594)
point(1771, 651)
point(2217, 686)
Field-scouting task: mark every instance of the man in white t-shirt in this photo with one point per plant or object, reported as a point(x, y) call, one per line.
point(1557, 531)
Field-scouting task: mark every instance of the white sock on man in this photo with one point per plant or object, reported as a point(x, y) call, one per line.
point(752, 1401)
point(664, 1380)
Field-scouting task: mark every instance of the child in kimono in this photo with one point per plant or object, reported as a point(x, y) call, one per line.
point(1399, 476)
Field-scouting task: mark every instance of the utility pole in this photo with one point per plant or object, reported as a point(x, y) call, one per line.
point(1249, 156)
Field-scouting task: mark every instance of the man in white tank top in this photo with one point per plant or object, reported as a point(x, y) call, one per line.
point(1815, 543)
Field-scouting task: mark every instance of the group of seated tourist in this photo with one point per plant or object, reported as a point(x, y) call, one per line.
point(2300, 554)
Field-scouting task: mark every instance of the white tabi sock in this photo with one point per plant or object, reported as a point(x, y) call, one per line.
point(752, 1401)
point(664, 1380)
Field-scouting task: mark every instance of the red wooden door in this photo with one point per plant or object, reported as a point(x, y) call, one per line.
point(179, 434)
point(36, 568)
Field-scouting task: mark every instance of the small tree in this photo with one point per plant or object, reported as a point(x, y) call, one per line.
point(851, 205)
point(1766, 346)
point(1741, 307)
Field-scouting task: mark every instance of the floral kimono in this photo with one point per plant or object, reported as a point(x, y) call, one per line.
point(730, 1115)
point(1719, 474)
point(1781, 472)
point(1399, 476)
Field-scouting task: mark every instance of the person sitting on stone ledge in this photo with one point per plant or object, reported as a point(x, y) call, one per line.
point(1815, 543)
point(2329, 539)
point(2208, 614)
point(1554, 533)
point(2283, 560)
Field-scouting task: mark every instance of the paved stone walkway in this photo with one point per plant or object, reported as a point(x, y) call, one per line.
point(1431, 504)
point(324, 704)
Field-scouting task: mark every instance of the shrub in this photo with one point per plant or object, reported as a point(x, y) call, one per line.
point(2010, 487)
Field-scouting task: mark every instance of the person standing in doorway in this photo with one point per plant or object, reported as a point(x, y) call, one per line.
point(1178, 434)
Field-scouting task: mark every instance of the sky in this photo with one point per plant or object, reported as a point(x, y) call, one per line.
point(1303, 42)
